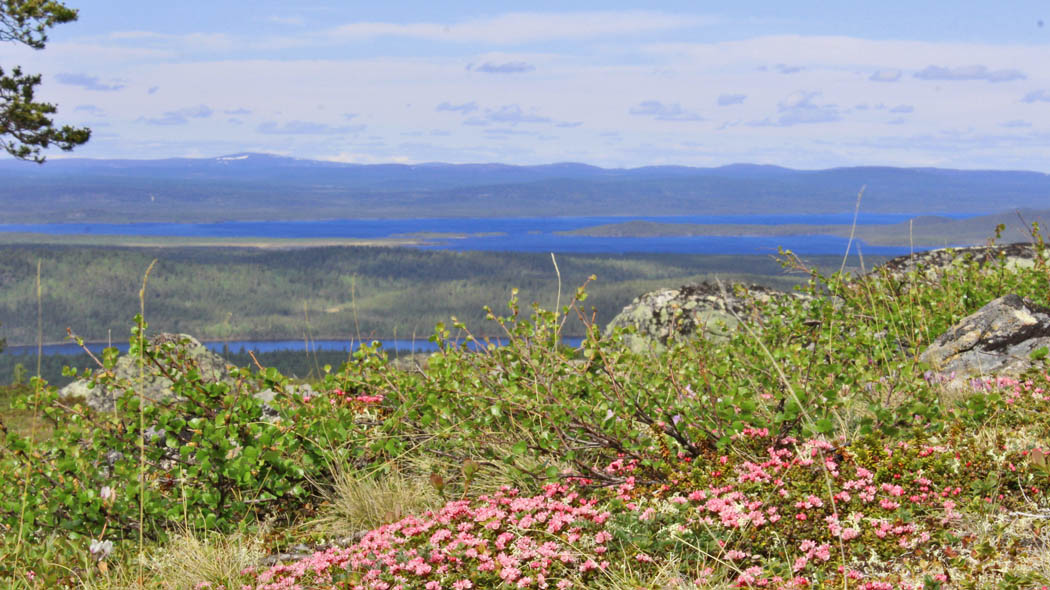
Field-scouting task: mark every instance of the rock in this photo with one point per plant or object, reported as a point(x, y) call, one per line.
point(410, 361)
point(156, 387)
point(691, 310)
point(996, 340)
point(212, 368)
point(1017, 255)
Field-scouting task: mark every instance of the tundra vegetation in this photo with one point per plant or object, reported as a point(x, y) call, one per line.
point(810, 450)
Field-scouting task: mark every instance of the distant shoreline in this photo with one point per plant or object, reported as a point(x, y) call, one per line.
point(921, 232)
point(117, 240)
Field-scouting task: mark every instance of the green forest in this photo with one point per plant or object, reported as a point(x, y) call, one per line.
point(333, 292)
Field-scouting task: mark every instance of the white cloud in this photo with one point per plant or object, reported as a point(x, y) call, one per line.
point(306, 128)
point(885, 76)
point(725, 100)
point(528, 27)
point(87, 82)
point(969, 73)
point(798, 108)
point(89, 108)
point(664, 112)
point(513, 115)
point(295, 21)
point(1036, 96)
point(464, 108)
point(512, 67)
point(181, 116)
point(198, 41)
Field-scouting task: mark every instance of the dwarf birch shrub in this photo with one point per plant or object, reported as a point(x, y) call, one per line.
point(841, 360)
point(213, 459)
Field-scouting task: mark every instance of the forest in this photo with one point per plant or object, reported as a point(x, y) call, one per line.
point(322, 293)
point(338, 292)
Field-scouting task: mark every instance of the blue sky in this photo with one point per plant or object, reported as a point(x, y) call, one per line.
point(800, 84)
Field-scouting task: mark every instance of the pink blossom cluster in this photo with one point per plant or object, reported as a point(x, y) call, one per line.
point(522, 542)
point(1012, 389)
point(340, 396)
point(860, 509)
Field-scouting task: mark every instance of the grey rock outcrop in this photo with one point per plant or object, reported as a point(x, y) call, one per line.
point(1017, 255)
point(699, 310)
point(155, 386)
point(997, 339)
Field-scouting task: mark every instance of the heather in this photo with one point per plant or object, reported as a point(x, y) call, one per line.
point(810, 450)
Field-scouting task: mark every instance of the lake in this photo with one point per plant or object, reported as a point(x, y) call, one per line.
point(402, 346)
point(518, 234)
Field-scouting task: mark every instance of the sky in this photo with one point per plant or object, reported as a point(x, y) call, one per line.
point(802, 84)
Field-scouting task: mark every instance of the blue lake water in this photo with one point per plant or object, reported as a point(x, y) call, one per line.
point(519, 234)
point(401, 346)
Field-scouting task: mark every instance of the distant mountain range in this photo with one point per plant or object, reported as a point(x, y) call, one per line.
point(268, 187)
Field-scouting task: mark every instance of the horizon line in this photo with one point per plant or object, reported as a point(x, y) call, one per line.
point(235, 156)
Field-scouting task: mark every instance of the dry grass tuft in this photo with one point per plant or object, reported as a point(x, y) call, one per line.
point(670, 575)
point(358, 501)
point(187, 560)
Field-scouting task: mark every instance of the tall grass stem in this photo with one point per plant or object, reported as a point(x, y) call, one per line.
point(142, 420)
point(852, 229)
point(36, 410)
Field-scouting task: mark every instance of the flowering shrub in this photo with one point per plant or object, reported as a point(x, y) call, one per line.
point(807, 514)
point(772, 512)
point(552, 540)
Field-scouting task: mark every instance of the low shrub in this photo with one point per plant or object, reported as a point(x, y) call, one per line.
point(809, 450)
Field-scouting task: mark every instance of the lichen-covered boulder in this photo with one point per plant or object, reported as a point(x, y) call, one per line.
point(155, 386)
point(996, 340)
point(699, 310)
point(933, 262)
